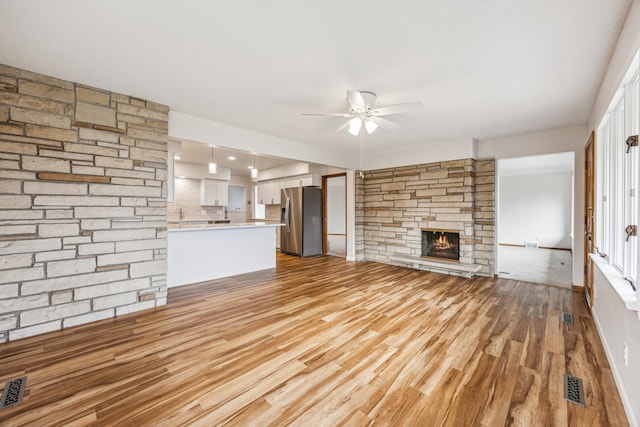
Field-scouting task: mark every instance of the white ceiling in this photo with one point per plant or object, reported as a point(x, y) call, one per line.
point(482, 69)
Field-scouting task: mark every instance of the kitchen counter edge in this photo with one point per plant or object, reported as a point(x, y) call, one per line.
point(199, 227)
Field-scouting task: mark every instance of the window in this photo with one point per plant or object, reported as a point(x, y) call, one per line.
point(617, 177)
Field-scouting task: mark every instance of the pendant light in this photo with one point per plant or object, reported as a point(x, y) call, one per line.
point(254, 171)
point(213, 168)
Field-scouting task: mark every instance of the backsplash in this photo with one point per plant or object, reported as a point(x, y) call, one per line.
point(187, 205)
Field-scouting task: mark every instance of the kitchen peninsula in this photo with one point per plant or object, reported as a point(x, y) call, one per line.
point(203, 251)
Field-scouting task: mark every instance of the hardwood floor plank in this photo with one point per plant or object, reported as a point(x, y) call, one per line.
point(322, 341)
point(501, 391)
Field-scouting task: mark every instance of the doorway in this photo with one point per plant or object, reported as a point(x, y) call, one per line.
point(335, 215)
point(535, 219)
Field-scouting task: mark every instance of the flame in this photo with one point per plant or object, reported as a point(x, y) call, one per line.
point(442, 243)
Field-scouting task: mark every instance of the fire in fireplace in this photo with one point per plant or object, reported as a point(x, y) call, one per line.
point(441, 244)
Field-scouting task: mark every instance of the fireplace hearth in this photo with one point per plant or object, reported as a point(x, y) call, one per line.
point(441, 244)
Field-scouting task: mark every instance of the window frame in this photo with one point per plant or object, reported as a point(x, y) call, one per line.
point(618, 178)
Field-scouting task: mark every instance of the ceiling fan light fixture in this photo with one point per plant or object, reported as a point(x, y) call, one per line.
point(370, 126)
point(363, 112)
point(354, 126)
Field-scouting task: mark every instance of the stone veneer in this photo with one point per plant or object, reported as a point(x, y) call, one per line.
point(83, 185)
point(393, 205)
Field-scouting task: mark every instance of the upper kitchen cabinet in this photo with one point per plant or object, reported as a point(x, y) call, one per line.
point(269, 191)
point(214, 192)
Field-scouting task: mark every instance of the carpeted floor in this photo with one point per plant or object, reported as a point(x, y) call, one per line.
point(548, 266)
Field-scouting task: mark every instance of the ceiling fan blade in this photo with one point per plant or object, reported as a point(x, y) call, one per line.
point(328, 114)
point(397, 108)
point(384, 123)
point(344, 126)
point(355, 100)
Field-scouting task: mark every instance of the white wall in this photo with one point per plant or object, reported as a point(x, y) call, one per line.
point(569, 139)
point(617, 326)
point(433, 151)
point(535, 208)
point(184, 126)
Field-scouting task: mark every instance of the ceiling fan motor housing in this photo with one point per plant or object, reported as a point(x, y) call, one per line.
point(369, 98)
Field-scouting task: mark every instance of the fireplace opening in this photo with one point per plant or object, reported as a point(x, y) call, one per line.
point(441, 244)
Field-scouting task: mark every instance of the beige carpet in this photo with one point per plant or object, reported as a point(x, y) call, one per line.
point(548, 266)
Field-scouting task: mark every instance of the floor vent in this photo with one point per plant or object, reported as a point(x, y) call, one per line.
point(13, 392)
point(567, 318)
point(573, 391)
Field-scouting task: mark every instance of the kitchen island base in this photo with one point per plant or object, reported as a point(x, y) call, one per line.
point(205, 253)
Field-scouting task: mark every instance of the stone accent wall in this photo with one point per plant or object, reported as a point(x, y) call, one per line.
point(360, 218)
point(83, 185)
point(393, 205)
point(484, 215)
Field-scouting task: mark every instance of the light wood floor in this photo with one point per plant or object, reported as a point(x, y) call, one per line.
point(324, 342)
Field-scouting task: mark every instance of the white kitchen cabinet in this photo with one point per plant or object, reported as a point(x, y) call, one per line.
point(269, 193)
point(214, 192)
point(262, 193)
point(269, 186)
point(275, 193)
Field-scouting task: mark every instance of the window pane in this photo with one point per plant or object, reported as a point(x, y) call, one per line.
point(602, 185)
point(618, 205)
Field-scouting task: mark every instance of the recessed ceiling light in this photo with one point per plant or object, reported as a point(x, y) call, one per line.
point(231, 157)
point(250, 167)
point(177, 157)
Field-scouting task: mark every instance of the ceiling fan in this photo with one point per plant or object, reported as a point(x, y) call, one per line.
point(362, 112)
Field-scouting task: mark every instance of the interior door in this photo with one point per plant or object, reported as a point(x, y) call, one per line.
point(589, 217)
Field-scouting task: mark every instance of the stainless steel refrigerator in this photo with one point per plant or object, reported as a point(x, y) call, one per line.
point(302, 218)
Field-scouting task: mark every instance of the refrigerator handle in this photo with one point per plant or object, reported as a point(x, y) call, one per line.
point(287, 217)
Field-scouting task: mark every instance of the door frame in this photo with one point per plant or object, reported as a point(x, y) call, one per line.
point(325, 234)
point(589, 217)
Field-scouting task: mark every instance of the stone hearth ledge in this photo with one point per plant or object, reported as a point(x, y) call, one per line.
point(455, 269)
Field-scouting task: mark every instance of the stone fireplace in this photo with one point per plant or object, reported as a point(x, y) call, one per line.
point(394, 206)
point(440, 244)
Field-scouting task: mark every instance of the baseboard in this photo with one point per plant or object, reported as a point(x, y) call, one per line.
point(554, 248)
point(628, 408)
point(539, 247)
point(576, 288)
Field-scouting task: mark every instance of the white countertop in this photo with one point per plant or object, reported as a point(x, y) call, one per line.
point(173, 227)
